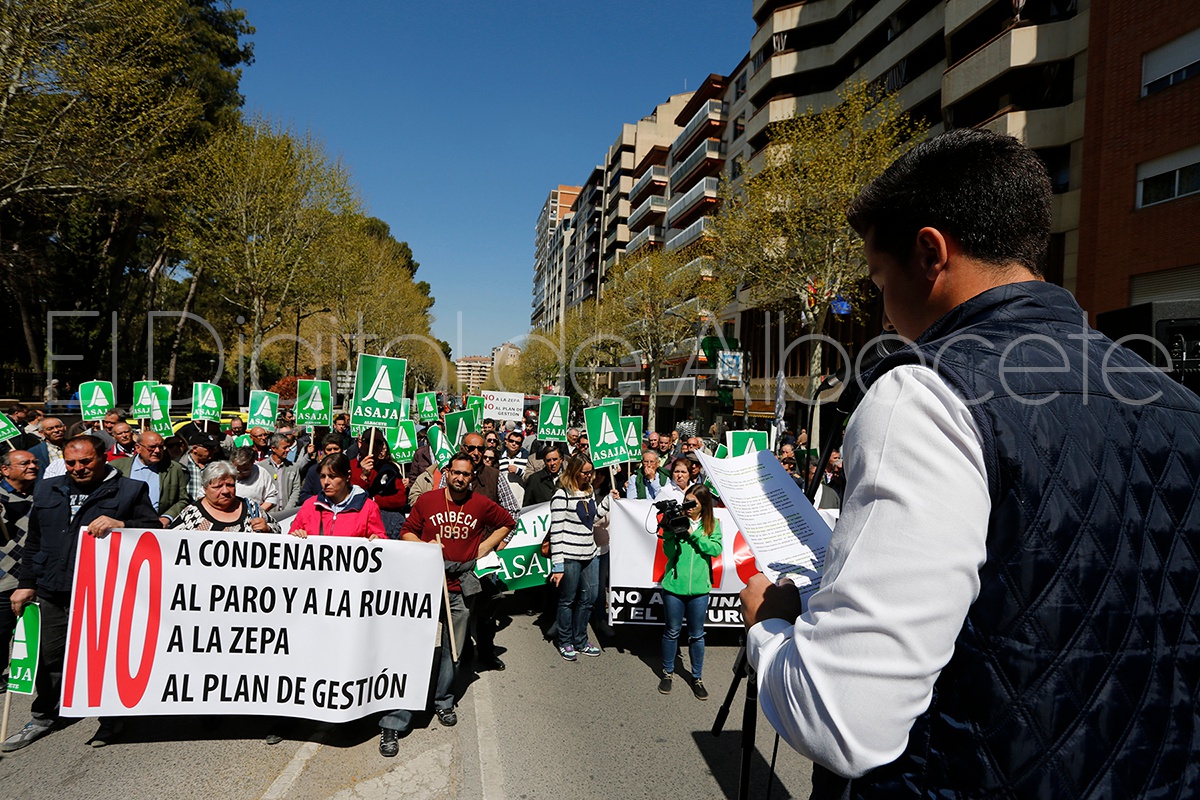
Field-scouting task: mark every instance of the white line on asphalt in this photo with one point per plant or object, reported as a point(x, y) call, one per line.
point(491, 775)
point(279, 788)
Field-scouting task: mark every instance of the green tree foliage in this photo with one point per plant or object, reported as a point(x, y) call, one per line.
point(781, 236)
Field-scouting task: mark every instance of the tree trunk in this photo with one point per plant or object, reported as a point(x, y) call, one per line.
point(256, 339)
point(188, 302)
point(652, 398)
point(814, 380)
point(35, 361)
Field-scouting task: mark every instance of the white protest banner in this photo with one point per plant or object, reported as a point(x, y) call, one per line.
point(521, 564)
point(503, 405)
point(637, 564)
point(189, 622)
point(788, 536)
point(96, 398)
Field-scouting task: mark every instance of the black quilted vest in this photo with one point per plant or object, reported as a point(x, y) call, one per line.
point(1075, 674)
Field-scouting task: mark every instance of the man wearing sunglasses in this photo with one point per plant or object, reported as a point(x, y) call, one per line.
point(164, 478)
point(512, 463)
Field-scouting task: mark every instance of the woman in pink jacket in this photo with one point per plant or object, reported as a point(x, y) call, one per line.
point(340, 508)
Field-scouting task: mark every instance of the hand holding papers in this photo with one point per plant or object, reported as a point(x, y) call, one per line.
point(787, 535)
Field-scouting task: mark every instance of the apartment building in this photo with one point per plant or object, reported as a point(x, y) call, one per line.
point(472, 372)
point(548, 277)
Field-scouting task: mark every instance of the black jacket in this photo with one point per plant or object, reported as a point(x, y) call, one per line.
point(48, 563)
point(540, 488)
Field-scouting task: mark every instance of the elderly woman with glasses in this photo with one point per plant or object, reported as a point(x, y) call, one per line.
point(220, 509)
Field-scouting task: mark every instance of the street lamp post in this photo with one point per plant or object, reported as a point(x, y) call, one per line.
point(296, 343)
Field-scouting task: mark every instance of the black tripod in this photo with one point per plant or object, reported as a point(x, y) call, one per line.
point(741, 669)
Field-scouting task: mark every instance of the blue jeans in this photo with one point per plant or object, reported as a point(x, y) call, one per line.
point(675, 608)
point(576, 595)
point(446, 667)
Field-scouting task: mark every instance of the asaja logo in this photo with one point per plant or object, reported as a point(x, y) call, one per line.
point(265, 409)
point(315, 401)
point(607, 434)
point(207, 398)
point(98, 397)
point(556, 416)
point(381, 388)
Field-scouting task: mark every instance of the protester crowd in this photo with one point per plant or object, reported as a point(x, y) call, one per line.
point(111, 473)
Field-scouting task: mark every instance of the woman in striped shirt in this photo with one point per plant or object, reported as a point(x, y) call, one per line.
point(573, 555)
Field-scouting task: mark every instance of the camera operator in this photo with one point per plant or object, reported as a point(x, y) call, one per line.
point(689, 543)
point(1008, 605)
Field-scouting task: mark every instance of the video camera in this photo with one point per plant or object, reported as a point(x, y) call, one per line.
point(673, 517)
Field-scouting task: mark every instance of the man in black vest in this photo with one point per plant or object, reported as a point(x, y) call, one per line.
point(1009, 605)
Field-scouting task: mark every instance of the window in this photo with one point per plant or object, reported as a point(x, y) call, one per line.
point(739, 86)
point(1172, 63)
point(1169, 177)
point(739, 126)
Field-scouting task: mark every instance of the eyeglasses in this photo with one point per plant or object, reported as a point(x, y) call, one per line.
point(461, 473)
point(472, 448)
point(586, 472)
point(516, 439)
point(488, 459)
point(153, 446)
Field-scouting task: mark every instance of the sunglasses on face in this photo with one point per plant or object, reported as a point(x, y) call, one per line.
point(472, 448)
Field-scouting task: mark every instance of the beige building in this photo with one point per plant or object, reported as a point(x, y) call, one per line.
point(549, 274)
point(473, 372)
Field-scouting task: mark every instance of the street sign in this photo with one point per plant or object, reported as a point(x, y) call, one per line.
point(314, 403)
point(264, 409)
point(378, 389)
point(553, 413)
point(160, 409)
point(141, 399)
point(207, 400)
point(95, 399)
point(603, 426)
point(23, 667)
point(631, 432)
point(427, 406)
point(729, 366)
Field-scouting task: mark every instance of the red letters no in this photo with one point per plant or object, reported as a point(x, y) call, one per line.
point(84, 605)
point(131, 687)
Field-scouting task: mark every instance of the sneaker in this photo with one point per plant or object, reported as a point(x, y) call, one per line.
point(589, 649)
point(107, 733)
point(447, 717)
point(31, 732)
point(567, 652)
point(699, 690)
point(389, 742)
point(664, 686)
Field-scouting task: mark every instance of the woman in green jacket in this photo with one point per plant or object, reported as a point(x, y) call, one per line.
point(686, 584)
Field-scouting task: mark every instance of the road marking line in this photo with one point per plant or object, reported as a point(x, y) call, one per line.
point(279, 788)
point(491, 774)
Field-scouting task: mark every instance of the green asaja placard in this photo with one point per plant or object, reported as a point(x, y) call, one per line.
point(22, 669)
point(553, 414)
point(476, 403)
point(160, 410)
point(458, 425)
point(314, 404)
point(207, 401)
point(264, 409)
point(742, 442)
point(438, 444)
point(610, 401)
point(631, 433)
point(95, 399)
point(243, 440)
point(403, 442)
point(378, 390)
point(7, 429)
point(427, 406)
point(142, 399)
point(603, 429)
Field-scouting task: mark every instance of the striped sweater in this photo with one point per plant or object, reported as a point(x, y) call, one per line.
point(572, 517)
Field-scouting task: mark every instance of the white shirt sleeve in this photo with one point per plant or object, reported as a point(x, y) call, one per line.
point(845, 683)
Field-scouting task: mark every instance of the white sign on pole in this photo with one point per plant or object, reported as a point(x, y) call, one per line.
point(503, 405)
point(191, 622)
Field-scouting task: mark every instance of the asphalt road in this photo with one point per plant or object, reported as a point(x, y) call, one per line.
point(544, 728)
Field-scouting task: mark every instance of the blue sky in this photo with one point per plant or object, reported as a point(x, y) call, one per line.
point(457, 118)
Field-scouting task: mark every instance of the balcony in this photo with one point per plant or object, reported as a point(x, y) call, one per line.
point(654, 206)
point(709, 151)
point(709, 120)
point(688, 235)
point(703, 192)
point(628, 388)
point(654, 177)
point(652, 235)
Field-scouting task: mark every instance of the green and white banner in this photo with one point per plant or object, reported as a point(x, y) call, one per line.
point(7, 429)
point(403, 441)
point(427, 406)
point(160, 409)
point(314, 404)
point(438, 444)
point(95, 399)
point(722, 452)
point(742, 442)
point(378, 390)
point(476, 404)
point(142, 399)
point(22, 669)
point(207, 401)
point(458, 425)
point(610, 401)
point(243, 441)
point(603, 426)
point(264, 409)
point(520, 564)
point(631, 432)
point(553, 414)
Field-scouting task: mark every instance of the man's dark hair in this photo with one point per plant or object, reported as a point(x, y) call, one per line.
point(990, 192)
point(461, 456)
point(553, 447)
point(332, 438)
point(16, 408)
point(339, 417)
